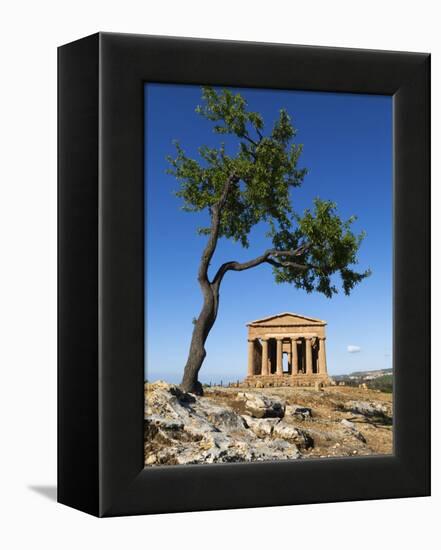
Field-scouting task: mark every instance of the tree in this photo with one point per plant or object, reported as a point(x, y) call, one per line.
point(253, 186)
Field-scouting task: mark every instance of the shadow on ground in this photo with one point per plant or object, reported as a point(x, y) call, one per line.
point(47, 491)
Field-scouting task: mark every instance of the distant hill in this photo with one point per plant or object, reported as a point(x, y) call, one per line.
point(380, 379)
point(366, 375)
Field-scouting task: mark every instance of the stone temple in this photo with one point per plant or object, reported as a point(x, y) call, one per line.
point(286, 350)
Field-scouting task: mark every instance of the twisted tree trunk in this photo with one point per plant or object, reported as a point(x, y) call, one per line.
point(210, 289)
point(197, 353)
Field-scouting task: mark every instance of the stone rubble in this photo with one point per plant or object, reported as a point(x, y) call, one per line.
point(293, 434)
point(255, 425)
point(182, 429)
point(302, 413)
point(262, 427)
point(367, 409)
point(350, 426)
point(262, 406)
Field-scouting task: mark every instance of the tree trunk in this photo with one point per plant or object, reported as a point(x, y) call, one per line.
point(210, 291)
point(197, 353)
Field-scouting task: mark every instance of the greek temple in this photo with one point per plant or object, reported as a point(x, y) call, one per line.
point(286, 350)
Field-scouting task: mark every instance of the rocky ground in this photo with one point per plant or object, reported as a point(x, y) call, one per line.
point(241, 425)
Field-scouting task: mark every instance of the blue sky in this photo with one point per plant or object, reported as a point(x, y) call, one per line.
point(348, 152)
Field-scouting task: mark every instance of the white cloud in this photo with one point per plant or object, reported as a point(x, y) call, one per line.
point(354, 349)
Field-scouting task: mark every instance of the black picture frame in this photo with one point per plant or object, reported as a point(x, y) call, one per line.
point(101, 274)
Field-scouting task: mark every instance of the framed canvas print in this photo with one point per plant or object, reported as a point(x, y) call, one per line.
point(244, 302)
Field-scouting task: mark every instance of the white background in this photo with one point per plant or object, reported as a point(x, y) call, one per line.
point(30, 34)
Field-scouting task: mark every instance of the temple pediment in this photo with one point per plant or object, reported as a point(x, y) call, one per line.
point(286, 320)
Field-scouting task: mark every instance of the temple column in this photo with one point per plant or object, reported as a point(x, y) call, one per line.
point(294, 357)
point(279, 358)
point(250, 357)
point(322, 367)
point(264, 357)
point(308, 355)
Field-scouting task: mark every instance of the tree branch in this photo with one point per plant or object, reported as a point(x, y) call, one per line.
point(295, 265)
point(251, 140)
point(263, 258)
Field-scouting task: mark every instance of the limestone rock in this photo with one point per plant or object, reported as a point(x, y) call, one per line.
point(350, 426)
point(165, 423)
point(183, 429)
point(151, 459)
point(290, 433)
point(367, 408)
point(298, 411)
point(262, 427)
point(222, 417)
point(263, 406)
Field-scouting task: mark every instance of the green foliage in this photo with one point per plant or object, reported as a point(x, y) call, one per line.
point(265, 168)
point(332, 247)
point(263, 171)
point(382, 383)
